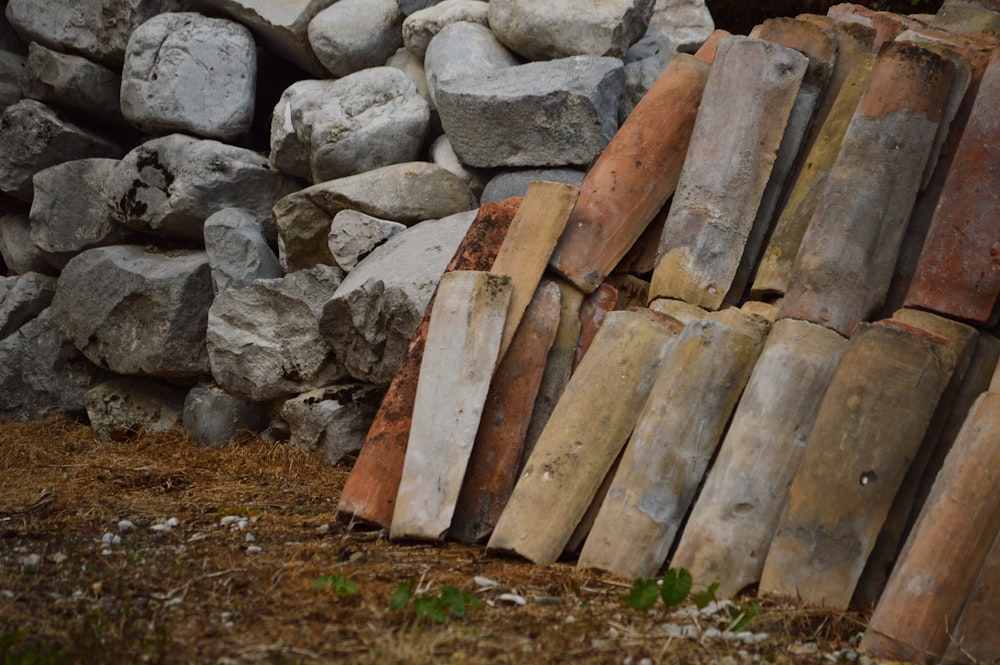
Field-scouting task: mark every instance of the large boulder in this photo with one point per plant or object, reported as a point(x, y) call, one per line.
point(74, 82)
point(538, 114)
point(420, 27)
point(22, 298)
point(688, 23)
point(190, 73)
point(96, 29)
point(137, 311)
point(325, 129)
point(34, 137)
point(351, 35)
point(375, 311)
point(333, 421)
point(127, 406)
point(263, 339)
point(17, 250)
point(170, 185)
point(215, 418)
point(237, 250)
point(464, 49)
point(42, 374)
point(12, 78)
point(405, 193)
point(69, 212)
point(561, 28)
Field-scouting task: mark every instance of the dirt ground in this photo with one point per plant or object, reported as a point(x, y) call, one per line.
point(155, 549)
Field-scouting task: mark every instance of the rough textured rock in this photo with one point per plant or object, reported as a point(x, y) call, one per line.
point(263, 340)
point(12, 78)
point(644, 63)
point(331, 421)
point(95, 29)
point(410, 6)
point(238, 252)
point(540, 114)
point(561, 28)
point(354, 235)
point(170, 185)
point(506, 184)
point(22, 298)
point(41, 373)
point(406, 193)
point(69, 224)
point(413, 67)
point(74, 82)
point(688, 22)
point(137, 311)
point(351, 35)
point(187, 72)
point(421, 26)
point(17, 250)
point(127, 405)
point(326, 129)
point(464, 49)
point(215, 418)
point(373, 314)
point(280, 26)
point(34, 137)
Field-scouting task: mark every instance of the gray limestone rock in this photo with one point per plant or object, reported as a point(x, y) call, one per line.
point(354, 235)
point(373, 314)
point(42, 374)
point(351, 35)
point(34, 137)
point(465, 50)
point(561, 28)
point(215, 418)
point(237, 250)
point(515, 183)
point(688, 23)
point(263, 339)
point(126, 406)
point(190, 73)
point(74, 82)
point(322, 130)
point(443, 155)
point(95, 29)
point(137, 311)
point(19, 253)
point(280, 26)
point(420, 27)
point(331, 421)
point(170, 185)
point(644, 63)
point(12, 78)
point(539, 114)
point(22, 298)
point(405, 193)
point(69, 212)
point(413, 67)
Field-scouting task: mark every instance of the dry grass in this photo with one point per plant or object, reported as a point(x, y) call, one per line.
point(201, 594)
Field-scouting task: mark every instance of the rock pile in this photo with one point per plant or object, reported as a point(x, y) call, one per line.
point(233, 213)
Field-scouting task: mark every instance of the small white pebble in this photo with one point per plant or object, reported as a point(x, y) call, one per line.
point(125, 525)
point(484, 582)
point(173, 521)
point(161, 527)
point(249, 538)
point(6, 593)
point(111, 539)
point(323, 528)
point(612, 632)
point(170, 602)
point(253, 549)
point(712, 633)
point(229, 519)
point(58, 557)
point(105, 552)
point(646, 661)
point(628, 660)
point(513, 598)
point(570, 618)
point(30, 561)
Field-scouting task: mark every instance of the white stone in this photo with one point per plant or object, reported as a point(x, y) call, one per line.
point(421, 26)
point(351, 35)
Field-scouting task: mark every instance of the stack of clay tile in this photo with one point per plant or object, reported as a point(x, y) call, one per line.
point(757, 342)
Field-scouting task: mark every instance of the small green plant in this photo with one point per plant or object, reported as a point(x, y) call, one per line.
point(434, 608)
point(675, 589)
point(341, 585)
